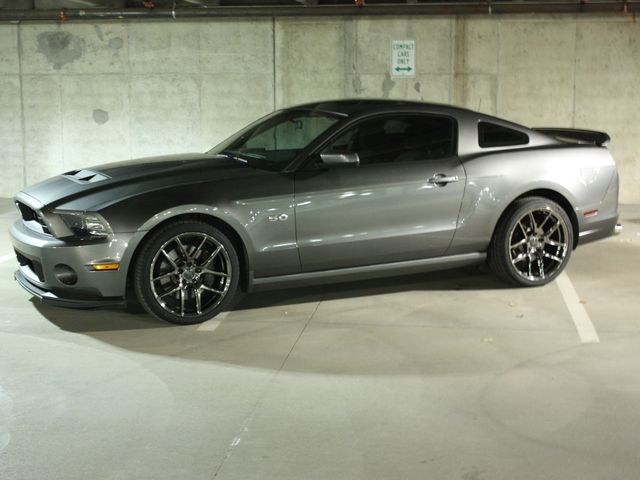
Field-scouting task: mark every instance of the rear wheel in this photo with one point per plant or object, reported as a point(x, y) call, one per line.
point(186, 273)
point(533, 243)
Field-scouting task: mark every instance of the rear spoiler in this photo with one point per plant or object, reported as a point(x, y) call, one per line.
point(575, 135)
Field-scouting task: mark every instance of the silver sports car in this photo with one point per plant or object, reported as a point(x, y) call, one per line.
point(322, 192)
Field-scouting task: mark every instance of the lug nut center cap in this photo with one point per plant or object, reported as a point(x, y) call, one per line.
point(189, 274)
point(535, 242)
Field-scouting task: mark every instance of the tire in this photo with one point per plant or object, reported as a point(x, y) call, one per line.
point(532, 244)
point(187, 272)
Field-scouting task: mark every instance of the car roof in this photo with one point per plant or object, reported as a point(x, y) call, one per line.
point(361, 106)
point(356, 107)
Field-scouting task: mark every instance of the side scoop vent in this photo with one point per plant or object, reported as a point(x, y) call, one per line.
point(85, 176)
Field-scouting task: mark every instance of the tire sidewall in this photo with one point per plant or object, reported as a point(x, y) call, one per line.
point(142, 273)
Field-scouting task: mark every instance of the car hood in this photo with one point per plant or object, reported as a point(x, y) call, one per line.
point(175, 169)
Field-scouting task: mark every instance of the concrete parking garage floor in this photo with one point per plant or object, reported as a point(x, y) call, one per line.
point(442, 376)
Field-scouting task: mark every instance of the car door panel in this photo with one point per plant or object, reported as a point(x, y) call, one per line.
point(378, 213)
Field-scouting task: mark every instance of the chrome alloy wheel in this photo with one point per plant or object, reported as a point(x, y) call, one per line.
point(538, 244)
point(190, 274)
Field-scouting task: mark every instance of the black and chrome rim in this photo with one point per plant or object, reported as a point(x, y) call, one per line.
point(538, 244)
point(190, 274)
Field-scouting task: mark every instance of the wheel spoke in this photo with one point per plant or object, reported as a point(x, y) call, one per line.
point(519, 258)
point(552, 229)
point(182, 249)
point(541, 226)
point(173, 264)
point(524, 230)
point(198, 292)
point(182, 302)
point(174, 290)
point(212, 256)
point(204, 287)
point(166, 275)
point(197, 250)
point(541, 267)
point(552, 257)
point(517, 244)
point(212, 272)
point(530, 273)
point(532, 221)
point(554, 243)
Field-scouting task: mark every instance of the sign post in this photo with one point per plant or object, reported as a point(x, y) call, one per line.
point(403, 58)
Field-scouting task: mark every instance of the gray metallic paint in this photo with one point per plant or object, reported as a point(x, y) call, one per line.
point(348, 217)
point(582, 175)
point(50, 252)
point(375, 214)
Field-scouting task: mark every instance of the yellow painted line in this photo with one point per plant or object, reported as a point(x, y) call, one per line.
point(582, 321)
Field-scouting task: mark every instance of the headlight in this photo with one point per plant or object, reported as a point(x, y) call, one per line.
point(86, 225)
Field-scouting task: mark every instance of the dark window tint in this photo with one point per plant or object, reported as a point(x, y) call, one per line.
point(398, 139)
point(492, 135)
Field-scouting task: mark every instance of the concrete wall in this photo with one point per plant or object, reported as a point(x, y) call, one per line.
point(80, 94)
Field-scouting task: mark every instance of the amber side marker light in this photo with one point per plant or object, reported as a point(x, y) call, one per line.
point(101, 267)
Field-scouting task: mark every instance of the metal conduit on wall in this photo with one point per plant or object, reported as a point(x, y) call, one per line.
point(18, 11)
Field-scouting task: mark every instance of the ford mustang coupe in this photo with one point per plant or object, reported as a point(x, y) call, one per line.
point(322, 192)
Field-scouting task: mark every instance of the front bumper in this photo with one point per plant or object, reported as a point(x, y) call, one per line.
point(39, 254)
point(48, 297)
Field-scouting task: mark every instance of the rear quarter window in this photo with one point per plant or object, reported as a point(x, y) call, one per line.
point(493, 135)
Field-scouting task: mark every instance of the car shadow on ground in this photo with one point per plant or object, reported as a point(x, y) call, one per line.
point(264, 339)
point(135, 318)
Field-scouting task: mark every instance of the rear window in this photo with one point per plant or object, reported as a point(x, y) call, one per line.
point(492, 135)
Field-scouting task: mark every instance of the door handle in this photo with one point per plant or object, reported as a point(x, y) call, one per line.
point(440, 179)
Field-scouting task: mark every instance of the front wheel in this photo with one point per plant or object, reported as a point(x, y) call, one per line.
point(533, 243)
point(186, 273)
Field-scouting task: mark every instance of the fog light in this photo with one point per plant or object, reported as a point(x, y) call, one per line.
point(65, 274)
point(100, 267)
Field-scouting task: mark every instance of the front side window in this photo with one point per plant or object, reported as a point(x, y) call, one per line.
point(406, 138)
point(492, 135)
point(277, 139)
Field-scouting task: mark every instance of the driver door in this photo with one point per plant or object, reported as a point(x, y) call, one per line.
point(401, 201)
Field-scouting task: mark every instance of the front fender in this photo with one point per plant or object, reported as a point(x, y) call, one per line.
point(248, 209)
point(214, 212)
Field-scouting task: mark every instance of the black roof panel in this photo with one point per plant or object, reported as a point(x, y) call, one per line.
point(366, 105)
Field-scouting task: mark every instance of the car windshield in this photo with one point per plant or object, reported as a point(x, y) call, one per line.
point(273, 141)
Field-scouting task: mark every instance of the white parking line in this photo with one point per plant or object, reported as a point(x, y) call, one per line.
point(6, 258)
point(211, 325)
point(584, 326)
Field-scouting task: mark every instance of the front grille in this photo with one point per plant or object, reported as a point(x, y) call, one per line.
point(33, 265)
point(30, 215)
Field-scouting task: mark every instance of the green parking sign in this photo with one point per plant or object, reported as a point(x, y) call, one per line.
point(403, 58)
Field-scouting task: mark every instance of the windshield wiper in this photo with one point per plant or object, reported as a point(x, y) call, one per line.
point(233, 156)
point(257, 156)
point(249, 159)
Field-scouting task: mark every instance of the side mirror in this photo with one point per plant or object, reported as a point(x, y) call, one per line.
point(339, 159)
